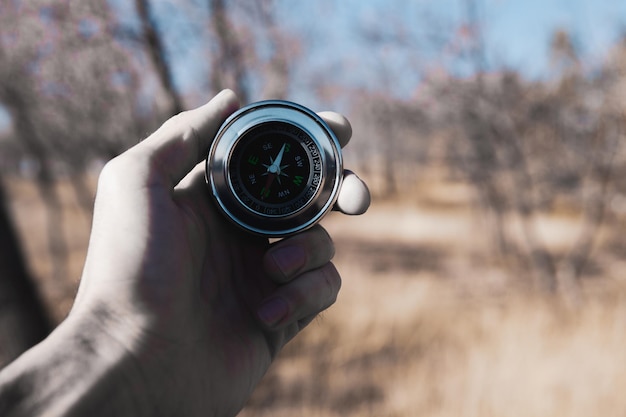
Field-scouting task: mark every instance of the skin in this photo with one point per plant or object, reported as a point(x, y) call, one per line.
point(178, 312)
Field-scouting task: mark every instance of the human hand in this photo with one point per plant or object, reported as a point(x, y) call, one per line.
point(201, 307)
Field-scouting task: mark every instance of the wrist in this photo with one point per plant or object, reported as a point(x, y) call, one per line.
point(80, 369)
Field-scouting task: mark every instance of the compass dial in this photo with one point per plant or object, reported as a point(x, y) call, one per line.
point(274, 168)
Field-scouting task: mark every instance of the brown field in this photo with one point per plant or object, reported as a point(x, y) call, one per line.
point(428, 323)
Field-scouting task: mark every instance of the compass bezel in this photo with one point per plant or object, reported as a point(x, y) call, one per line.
point(228, 138)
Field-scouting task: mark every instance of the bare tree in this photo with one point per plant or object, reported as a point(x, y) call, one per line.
point(526, 147)
point(278, 68)
point(70, 93)
point(530, 146)
point(24, 320)
point(153, 43)
point(229, 63)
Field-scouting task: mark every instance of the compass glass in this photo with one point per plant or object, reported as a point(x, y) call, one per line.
point(275, 169)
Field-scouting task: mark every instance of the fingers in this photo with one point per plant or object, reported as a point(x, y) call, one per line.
point(302, 252)
point(354, 197)
point(177, 146)
point(339, 125)
point(302, 299)
point(183, 140)
point(309, 283)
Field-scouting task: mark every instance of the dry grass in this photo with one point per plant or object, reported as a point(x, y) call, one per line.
point(429, 323)
point(405, 347)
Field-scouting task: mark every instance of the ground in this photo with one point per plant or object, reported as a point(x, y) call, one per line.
point(429, 321)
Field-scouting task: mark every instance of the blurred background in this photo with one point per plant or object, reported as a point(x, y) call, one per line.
point(488, 277)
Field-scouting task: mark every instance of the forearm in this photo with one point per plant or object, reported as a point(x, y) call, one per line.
point(76, 371)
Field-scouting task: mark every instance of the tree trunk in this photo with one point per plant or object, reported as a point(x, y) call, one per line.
point(156, 51)
point(229, 69)
point(23, 317)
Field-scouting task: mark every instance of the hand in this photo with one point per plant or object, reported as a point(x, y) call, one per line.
point(201, 307)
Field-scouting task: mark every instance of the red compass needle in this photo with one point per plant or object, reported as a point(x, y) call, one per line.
point(265, 191)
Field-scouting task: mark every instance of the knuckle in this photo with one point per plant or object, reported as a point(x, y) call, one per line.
point(121, 171)
point(175, 121)
point(322, 247)
point(332, 281)
point(110, 174)
point(299, 296)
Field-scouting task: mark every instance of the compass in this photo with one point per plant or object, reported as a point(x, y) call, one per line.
point(274, 168)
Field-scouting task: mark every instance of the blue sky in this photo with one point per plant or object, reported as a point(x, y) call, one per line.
point(332, 34)
point(516, 34)
point(519, 31)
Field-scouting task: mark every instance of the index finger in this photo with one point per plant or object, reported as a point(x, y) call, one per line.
point(339, 125)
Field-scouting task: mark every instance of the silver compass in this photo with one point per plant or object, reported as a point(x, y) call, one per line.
point(274, 168)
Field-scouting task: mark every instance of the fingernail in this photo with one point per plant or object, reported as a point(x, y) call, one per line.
point(289, 259)
point(273, 311)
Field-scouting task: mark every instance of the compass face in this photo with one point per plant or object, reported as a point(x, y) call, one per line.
point(274, 168)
